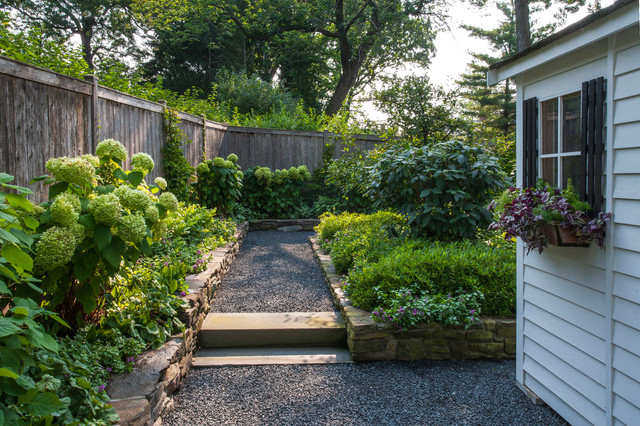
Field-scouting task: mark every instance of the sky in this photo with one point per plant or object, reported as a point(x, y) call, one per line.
point(453, 47)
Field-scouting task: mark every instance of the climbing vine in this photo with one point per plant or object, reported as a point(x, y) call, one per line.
point(177, 170)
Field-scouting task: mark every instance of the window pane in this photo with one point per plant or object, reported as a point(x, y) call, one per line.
point(550, 171)
point(550, 126)
point(571, 123)
point(572, 169)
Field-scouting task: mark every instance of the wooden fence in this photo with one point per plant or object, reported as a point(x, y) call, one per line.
point(44, 114)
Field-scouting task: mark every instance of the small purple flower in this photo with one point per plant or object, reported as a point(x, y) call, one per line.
point(101, 388)
point(108, 369)
point(183, 293)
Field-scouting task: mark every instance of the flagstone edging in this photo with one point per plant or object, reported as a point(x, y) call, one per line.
point(143, 396)
point(489, 338)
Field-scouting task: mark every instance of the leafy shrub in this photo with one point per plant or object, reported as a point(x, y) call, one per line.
point(99, 216)
point(431, 268)
point(275, 194)
point(354, 238)
point(442, 189)
point(219, 184)
point(348, 175)
point(404, 310)
point(177, 169)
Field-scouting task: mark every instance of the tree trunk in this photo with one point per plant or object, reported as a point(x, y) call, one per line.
point(523, 27)
point(347, 79)
point(87, 52)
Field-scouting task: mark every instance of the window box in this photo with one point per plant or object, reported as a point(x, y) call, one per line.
point(562, 236)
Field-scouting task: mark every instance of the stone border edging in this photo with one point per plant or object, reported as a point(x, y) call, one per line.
point(143, 396)
point(489, 338)
point(284, 224)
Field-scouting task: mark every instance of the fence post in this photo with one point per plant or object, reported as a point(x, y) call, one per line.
point(95, 119)
point(204, 138)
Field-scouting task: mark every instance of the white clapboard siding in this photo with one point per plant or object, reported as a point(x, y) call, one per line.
point(626, 238)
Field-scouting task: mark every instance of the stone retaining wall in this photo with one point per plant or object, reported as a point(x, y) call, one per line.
point(284, 224)
point(492, 338)
point(143, 396)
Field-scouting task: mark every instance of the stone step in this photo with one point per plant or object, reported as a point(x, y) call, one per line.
point(270, 356)
point(287, 329)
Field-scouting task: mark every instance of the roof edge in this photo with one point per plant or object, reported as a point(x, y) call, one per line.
point(563, 33)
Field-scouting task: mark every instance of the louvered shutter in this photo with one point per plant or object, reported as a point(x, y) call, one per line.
point(530, 137)
point(592, 147)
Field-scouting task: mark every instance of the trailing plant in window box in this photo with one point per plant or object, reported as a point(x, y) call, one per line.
point(543, 215)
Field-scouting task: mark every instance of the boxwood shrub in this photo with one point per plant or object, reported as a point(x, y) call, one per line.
point(432, 267)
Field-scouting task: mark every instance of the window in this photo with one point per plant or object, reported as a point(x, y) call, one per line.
point(559, 158)
point(569, 142)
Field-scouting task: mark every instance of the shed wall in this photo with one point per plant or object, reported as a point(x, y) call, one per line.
point(579, 309)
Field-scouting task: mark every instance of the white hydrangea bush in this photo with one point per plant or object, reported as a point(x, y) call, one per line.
point(98, 218)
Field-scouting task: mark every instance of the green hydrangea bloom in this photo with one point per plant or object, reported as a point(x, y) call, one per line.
point(95, 161)
point(302, 169)
point(202, 168)
point(159, 230)
point(37, 210)
point(55, 248)
point(307, 176)
point(131, 228)
point(111, 148)
point(142, 162)
point(134, 199)
point(161, 182)
point(293, 173)
point(72, 170)
point(228, 164)
point(65, 209)
point(168, 201)
point(78, 231)
point(218, 162)
point(152, 214)
point(106, 209)
point(233, 158)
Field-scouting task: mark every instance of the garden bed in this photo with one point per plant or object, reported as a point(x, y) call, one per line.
point(489, 338)
point(144, 395)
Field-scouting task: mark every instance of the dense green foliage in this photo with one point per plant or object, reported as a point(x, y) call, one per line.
point(219, 184)
point(276, 194)
point(348, 177)
point(353, 238)
point(177, 169)
point(443, 189)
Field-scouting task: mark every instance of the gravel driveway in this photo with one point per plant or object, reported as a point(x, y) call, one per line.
point(382, 393)
point(274, 272)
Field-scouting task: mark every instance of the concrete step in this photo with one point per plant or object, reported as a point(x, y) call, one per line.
point(270, 356)
point(289, 329)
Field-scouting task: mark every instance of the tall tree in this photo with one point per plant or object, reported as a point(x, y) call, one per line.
point(360, 31)
point(102, 25)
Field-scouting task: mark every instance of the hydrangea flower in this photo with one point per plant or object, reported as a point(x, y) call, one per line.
point(142, 162)
point(72, 170)
point(152, 214)
point(228, 164)
point(159, 230)
point(293, 173)
point(202, 168)
point(106, 209)
point(161, 182)
point(133, 199)
point(65, 209)
point(79, 232)
point(218, 162)
point(168, 201)
point(111, 148)
point(95, 161)
point(233, 158)
point(131, 228)
point(55, 248)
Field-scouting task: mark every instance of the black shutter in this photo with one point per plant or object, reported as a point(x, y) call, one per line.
point(530, 138)
point(592, 147)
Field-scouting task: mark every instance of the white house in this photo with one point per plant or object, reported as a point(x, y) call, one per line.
point(578, 309)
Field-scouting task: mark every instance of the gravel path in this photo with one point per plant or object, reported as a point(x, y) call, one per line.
point(274, 272)
point(383, 393)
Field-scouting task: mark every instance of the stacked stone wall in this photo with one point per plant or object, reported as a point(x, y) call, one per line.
point(489, 338)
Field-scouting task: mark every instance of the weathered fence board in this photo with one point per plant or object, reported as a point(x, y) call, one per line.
point(44, 114)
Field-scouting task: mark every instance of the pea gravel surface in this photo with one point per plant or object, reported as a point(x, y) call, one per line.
point(382, 393)
point(274, 272)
